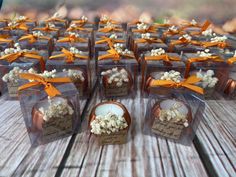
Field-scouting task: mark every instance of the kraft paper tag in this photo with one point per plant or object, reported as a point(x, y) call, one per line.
point(113, 138)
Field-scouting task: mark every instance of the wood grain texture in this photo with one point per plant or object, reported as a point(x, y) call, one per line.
point(17, 157)
point(142, 155)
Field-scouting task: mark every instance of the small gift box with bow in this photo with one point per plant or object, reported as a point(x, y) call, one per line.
point(210, 67)
point(57, 20)
point(38, 41)
point(103, 43)
point(73, 59)
point(171, 33)
point(23, 59)
point(49, 30)
point(14, 28)
point(26, 21)
point(156, 62)
point(12, 79)
point(73, 40)
point(83, 22)
point(110, 122)
point(193, 27)
point(109, 29)
point(107, 21)
point(78, 28)
point(50, 107)
point(117, 69)
point(146, 42)
point(185, 44)
point(176, 117)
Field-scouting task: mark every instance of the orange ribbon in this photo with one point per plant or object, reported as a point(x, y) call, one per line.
point(157, 25)
point(108, 40)
point(47, 28)
point(164, 57)
point(135, 22)
point(150, 29)
point(215, 44)
point(187, 83)
point(81, 22)
point(78, 28)
point(171, 33)
point(32, 55)
point(32, 38)
point(70, 57)
point(46, 82)
point(148, 40)
point(108, 21)
point(183, 41)
point(72, 39)
point(24, 20)
point(231, 61)
point(55, 20)
point(20, 26)
point(112, 53)
point(4, 40)
point(110, 29)
point(201, 59)
point(203, 27)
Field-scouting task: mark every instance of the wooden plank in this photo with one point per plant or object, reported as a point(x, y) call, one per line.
point(216, 140)
point(18, 158)
point(142, 155)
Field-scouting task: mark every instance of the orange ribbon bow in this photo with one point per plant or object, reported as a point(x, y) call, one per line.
point(108, 21)
point(20, 26)
point(78, 28)
point(203, 28)
point(110, 41)
point(187, 83)
point(201, 59)
point(183, 41)
point(55, 20)
point(157, 25)
point(113, 54)
point(46, 82)
point(150, 29)
point(231, 61)
point(32, 55)
point(70, 57)
point(110, 29)
point(171, 33)
point(215, 44)
point(72, 39)
point(47, 28)
point(81, 22)
point(32, 38)
point(24, 20)
point(148, 40)
point(165, 57)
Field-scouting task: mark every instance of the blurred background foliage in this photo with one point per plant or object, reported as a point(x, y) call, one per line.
point(218, 11)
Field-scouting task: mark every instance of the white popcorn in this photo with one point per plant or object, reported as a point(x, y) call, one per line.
point(104, 18)
point(157, 52)
point(207, 32)
point(75, 74)
point(219, 39)
point(48, 74)
point(142, 26)
point(108, 124)
point(58, 108)
point(113, 36)
point(13, 75)
point(186, 36)
point(193, 22)
point(16, 49)
point(119, 48)
point(145, 36)
point(74, 34)
point(84, 18)
point(172, 76)
point(109, 25)
point(37, 33)
point(173, 114)
point(208, 81)
point(173, 28)
point(116, 76)
point(205, 53)
point(75, 50)
point(51, 25)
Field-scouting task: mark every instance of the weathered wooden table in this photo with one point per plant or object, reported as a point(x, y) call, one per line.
point(212, 153)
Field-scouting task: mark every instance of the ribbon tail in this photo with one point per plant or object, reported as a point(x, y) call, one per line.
point(194, 88)
point(28, 85)
point(51, 90)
